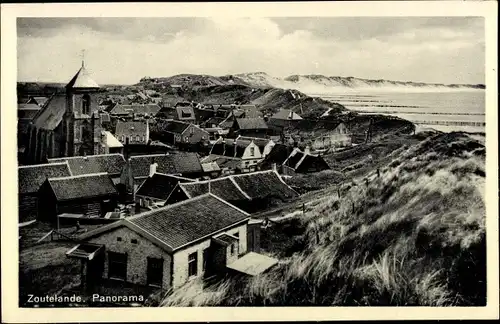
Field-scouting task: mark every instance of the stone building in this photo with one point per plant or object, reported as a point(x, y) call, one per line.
point(69, 124)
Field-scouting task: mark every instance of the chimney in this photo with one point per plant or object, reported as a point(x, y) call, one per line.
point(152, 169)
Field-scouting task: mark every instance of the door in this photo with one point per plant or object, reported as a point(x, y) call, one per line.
point(155, 272)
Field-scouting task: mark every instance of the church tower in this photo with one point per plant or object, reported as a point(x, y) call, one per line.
point(82, 124)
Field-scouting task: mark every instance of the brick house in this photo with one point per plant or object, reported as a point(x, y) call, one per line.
point(91, 195)
point(246, 151)
point(30, 179)
point(132, 132)
point(169, 246)
point(177, 132)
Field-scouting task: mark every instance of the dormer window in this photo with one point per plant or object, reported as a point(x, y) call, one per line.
point(86, 104)
point(252, 151)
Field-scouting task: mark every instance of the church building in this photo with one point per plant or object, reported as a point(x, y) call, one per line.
point(69, 124)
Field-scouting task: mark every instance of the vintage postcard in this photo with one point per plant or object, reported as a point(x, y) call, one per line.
point(196, 161)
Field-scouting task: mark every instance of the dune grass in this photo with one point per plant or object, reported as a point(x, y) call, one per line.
point(415, 235)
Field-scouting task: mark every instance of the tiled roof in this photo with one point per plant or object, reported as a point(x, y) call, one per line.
point(224, 188)
point(82, 80)
point(51, 115)
point(160, 185)
point(150, 109)
point(32, 177)
point(109, 163)
point(176, 163)
point(251, 123)
point(186, 222)
point(264, 184)
point(83, 186)
point(130, 128)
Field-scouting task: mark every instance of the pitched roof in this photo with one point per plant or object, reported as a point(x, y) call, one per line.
point(251, 123)
point(175, 163)
point(28, 106)
point(260, 142)
point(51, 115)
point(31, 177)
point(264, 184)
point(175, 126)
point(130, 128)
point(224, 188)
point(297, 158)
point(82, 186)
point(150, 109)
point(248, 186)
point(286, 114)
point(111, 141)
point(210, 166)
point(82, 80)
point(178, 225)
point(160, 185)
point(109, 163)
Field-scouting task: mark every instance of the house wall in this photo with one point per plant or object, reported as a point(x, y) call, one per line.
point(27, 207)
point(137, 255)
point(180, 275)
point(93, 207)
point(193, 135)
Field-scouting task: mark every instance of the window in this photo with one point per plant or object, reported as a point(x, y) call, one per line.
point(117, 265)
point(191, 130)
point(134, 241)
point(86, 104)
point(193, 264)
point(252, 151)
point(119, 239)
point(123, 138)
point(155, 271)
point(137, 138)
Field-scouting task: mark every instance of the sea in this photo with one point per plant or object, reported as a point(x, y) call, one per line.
point(441, 110)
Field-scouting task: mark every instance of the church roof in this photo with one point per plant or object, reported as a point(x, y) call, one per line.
point(51, 115)
point(82, 80)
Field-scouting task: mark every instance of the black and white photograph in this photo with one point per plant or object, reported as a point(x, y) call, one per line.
point(251, 160)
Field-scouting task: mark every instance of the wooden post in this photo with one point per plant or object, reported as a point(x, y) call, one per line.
point(303, 208)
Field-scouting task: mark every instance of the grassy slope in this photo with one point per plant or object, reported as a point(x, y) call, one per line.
point(413, 236)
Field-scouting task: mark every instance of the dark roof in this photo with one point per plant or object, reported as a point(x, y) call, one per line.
point(32, 177)
point(130, 128)
point(160, 185)
point(230, 147)
point(109, 163)
point(188, 221)
point(185, 113)
point(175, 163)
point(50, 116)
point(83, 186)
point(260, 142)
point(175, 126)
point(223, 161)
point(251, 123)
point(264, 184)
point(27, 114)
point(224, 188)
point(278, 155)
point(150, 109)
point(294, 158)
point(82, 80)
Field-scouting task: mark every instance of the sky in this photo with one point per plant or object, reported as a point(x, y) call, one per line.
point(123, 50)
